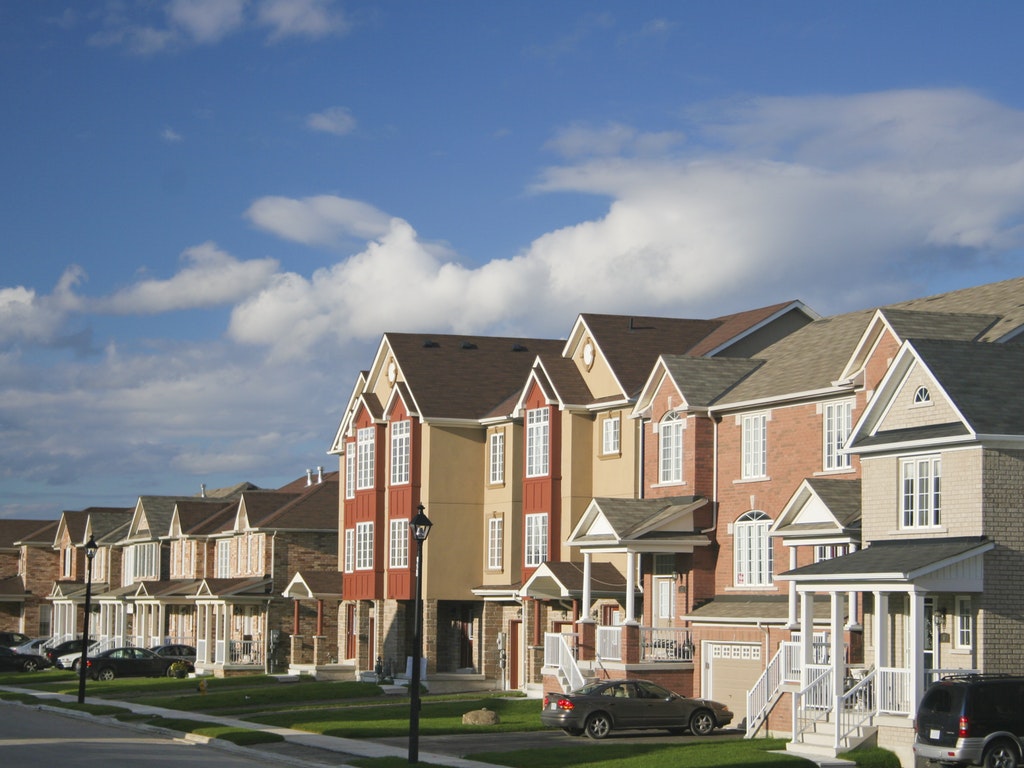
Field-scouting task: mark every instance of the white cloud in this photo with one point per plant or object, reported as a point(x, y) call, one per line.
point(171, 136)
point(581, 140)
point(25, 315)
point(210, 278)
point(323, 220)
point(301, 18)
point(336, 120)
point(206, 21)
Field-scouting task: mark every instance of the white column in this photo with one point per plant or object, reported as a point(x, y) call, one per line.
point(881, 629)
point(630, 587)
point(806, 636)
point(916, 649)
point(851, 611)
point(585, 606)
point(837, 658)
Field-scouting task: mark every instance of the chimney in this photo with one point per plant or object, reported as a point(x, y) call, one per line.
point(202, 490)
point(319, 475)
point(309, 477)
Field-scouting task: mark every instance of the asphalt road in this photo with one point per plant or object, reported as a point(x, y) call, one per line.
point(32, 738)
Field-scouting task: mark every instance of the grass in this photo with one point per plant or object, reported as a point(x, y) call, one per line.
point(273, 696)
point(241, 736)
point(436, 718)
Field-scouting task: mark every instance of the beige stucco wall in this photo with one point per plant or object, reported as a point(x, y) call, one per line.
point(505, 501)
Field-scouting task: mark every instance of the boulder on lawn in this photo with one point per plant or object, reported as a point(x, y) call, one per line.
point(481, 717)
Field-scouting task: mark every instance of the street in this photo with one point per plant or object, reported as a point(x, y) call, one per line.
point(31, 738)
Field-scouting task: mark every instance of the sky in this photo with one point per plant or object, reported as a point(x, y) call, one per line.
point(212, 210)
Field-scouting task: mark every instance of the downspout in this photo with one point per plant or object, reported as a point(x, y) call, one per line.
point(714, 479)
point(641, 442)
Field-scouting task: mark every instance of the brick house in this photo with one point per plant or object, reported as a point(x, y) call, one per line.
point(27, 571)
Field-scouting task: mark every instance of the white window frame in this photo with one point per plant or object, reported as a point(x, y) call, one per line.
point(69, 562)
point(837, 423)
point(754, 442)
point(495, 543)
point(611, 436)
point(670, 449)
point(399, 545)
point(536, 550)
point(364, 546)
point(401, 433)
point(664, 589)
point(497, 458)
point(830, 551)
point(920, 492)
point(350, 550)
point(538, 436)
point(350, 471)
point(963, 624)
point(752, 550)
point(224, 559)
point(364, 457)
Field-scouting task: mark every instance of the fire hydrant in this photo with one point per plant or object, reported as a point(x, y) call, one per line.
point(202, 687)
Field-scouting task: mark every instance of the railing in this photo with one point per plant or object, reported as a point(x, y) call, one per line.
point(814, 702)
point(559, 653)
point(609, 643)
point(893, 691)
point(856, 708)
point(666, 644)
point(784, 667)
point(245, 652)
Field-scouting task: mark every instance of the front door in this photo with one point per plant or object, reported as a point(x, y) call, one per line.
point(350, 631)
point(929, 634)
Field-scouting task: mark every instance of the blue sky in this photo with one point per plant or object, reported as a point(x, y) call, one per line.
point(211, 210)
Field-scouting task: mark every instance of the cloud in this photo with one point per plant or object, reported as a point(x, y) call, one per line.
point(26, 316)
point(301, 18)
point(336, 120)
point(845, 197)
point(580, 140)
point(210, 278)
point(171, 136)
point(206, 21)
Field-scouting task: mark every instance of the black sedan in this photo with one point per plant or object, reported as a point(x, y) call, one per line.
point(11, 661)
point(176, 652)
point(598, 708)
point(127, 662)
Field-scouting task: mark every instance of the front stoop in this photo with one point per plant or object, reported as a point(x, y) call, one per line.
point(821, 741)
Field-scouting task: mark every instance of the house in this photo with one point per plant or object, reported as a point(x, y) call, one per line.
point(27, 570)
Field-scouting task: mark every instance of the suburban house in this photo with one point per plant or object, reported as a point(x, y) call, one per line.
point(27, 571)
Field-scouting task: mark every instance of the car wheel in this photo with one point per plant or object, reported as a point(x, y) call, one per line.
point(106, 674)
point(598, 725)
point(1002, 754)
point(702, 722)
point(76, 664)
point(573, 731)
point(30, 665)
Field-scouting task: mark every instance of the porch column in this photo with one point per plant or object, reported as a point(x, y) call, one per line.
point(585, 610)
point(916, 649)
point(837, 659)
point(791, 623)
point(851, 611)
point(806, 636)
point(295, 617)
point(880, 633)
point(319, 618)
point(630, 587)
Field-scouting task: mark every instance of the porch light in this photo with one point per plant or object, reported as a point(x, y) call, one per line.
point(83, 662)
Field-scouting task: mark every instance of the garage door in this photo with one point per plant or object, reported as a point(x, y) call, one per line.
point(731, 670)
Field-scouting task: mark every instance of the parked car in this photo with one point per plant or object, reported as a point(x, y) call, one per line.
point(177, 652)
point(67, 655)
point(11, 661)
point(599, 708)
point(12, 639)
point(127, 662)
point(34, 646)
point(972, 720)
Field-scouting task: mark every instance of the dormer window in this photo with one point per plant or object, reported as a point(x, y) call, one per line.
point(922, 396)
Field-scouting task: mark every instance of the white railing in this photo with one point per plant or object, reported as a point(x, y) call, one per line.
point(856, 708)
point(245, 652)
point(893, 691)
point(783, 668)
point(558, 652)
point(666, 644)
point(814, 702)
point(609, 643)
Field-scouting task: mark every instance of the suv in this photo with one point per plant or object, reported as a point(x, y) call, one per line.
point(972, 720)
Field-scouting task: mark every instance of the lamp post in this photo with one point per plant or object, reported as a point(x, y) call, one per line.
point(90, 553)
point(420, 527)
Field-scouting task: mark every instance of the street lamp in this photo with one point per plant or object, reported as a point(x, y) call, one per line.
point(90, 553)
point(420, 527)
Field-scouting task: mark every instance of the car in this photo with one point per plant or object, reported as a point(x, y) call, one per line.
point(12, 639)
point(11, 661)
point(972, 719)
point(33, 646)
point(127, 662)
point(599, 708)
point(67, 655)
point(177, 652)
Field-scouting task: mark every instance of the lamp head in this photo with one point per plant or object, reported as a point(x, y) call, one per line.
point(90, 547)
point(420, 525)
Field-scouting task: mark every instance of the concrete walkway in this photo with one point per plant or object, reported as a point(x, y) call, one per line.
point(335, 748)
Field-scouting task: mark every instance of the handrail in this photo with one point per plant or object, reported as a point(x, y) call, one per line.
point(856, 708)
point(767, 687)
point(812, 703)
point(567, 664)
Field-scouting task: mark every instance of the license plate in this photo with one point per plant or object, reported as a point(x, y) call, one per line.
point(553, 705)
point(934, 733)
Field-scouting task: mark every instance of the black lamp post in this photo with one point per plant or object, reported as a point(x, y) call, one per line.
point(90, 553)
point(420, 527)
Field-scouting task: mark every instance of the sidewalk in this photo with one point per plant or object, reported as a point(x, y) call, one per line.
point(333, 746)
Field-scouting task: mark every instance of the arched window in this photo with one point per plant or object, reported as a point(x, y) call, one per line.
point(753, 550)
point(670, 449)
point(922, 395)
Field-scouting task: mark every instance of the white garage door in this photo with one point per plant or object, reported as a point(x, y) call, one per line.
point(730, 671)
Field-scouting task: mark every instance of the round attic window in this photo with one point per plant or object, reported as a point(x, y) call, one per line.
point(392, 372)
point(588, 354)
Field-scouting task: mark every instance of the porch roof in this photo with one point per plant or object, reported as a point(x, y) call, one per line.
point(898, 560)
point(12, 590)
point(630, 523)
point(553, 581)
point(314, 585)
point(750, 609)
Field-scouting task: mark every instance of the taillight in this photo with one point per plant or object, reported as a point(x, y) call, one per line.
point(965, 727)
point(88, 662)
point(566, 704)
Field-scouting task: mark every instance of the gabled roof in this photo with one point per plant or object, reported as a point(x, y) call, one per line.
point(899, 560)
point(192, 514)
point(617, 523)
point(822, 507)
point(242, 587)
point(318, 585)
point(700, 381)
point(314, 509)
point(554, 581)
point(747, 609)
point(12, 590)
point(14, 530)
point(1004, 299)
